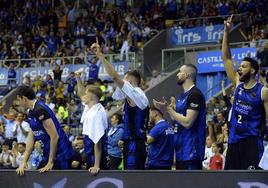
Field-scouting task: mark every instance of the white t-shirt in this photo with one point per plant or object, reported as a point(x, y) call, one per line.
point(134, 93)
point(94, 121)
point(208, 155)
point(21, 138)
point(9, 129)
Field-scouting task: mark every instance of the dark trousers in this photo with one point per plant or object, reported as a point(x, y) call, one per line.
point(138, 156)
point(243, 155)
point(114, 162)
point(189, 165)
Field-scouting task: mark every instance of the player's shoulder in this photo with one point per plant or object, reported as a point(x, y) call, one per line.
point(264, 94)
point(196, 92)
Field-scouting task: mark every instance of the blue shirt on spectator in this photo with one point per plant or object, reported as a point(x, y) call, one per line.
point(114, 135)
point(93, 72)
point(223, 9)
point(52, 43)
point(161, 151)
point(71, 84)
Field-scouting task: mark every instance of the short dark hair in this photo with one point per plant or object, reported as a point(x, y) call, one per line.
point(118, 117)
point(193, 75)
point(25, 91)
point(219, 145)
point(22, 143)
point(6, 143)
point(253, 63)
point(135, 74)
point(157, 110)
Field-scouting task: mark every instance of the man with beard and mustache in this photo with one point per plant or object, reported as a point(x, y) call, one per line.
point(249, 110)
point(190, 117)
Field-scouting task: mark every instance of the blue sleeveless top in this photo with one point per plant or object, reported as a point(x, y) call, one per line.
point(135, 122)
point(248, 114)
point(64, 148)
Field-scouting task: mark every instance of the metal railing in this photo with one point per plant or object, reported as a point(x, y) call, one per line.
point(46, 61)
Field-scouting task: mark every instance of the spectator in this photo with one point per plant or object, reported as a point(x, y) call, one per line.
point(93, 72)
point(5, 156)
point(114, 135)
point(208, 153)
point(126, 36)
point(262, 55)
point(57, 73)
point(17, 156)
point(67, 130)
point(80, 156)
point(217, 161)
point(12, 74)
point(74, 112)
point(156, 77)
point(20, 131)
point(2, 132)
point(59, 93)
point(71, 81)
point(49, 102)
point(37, 155)
point(9, 127)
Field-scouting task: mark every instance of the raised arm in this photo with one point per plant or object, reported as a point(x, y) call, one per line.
point(108, 66)
point(81, 89)
point(226, 53)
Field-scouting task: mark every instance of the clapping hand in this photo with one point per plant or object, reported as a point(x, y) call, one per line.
point(161, 105)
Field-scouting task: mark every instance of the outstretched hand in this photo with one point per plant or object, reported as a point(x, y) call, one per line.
point(229, 22)
point(95, 48)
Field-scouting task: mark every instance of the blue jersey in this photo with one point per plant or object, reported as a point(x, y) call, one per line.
point(36, 116)
point(135, 122)
point(71, 84)
point(93, 72)
point(11, 73)
point(248, 114)
point(161, 151)
point(190, 143)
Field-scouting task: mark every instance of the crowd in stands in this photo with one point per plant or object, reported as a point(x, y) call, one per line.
point(33, 29)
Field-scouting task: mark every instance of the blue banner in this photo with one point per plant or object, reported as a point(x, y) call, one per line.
point(211, 33)
point(120, 67)
point(211, 61)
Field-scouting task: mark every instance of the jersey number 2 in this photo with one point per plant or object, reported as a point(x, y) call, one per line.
point(239, 119)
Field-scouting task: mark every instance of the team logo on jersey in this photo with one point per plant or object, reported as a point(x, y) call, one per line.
point(193, 105)
point(41, 117)
point(240, 91)
point(254, 94)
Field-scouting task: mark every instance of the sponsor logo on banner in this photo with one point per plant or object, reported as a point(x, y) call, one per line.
point(120, 67)
point(211, 33)
point(211, 61)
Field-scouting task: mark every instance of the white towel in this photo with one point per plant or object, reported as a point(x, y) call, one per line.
point(94, 121)
point(264, 160)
